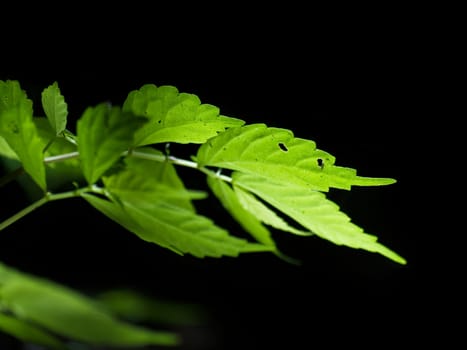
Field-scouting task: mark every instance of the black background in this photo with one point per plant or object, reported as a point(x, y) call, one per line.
point(349, 89)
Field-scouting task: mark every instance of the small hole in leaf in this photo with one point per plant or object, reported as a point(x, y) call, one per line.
point(320, 163)
point(282, 146)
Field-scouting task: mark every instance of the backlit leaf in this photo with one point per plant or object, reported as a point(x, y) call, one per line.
point(264, 214)
point(175, 117)
point(5, 150)
point(18, 130)
point(104, 133)
point(247, 220)
point(175, 228)
point(55, 108)
point(311, 209)
point(276, 154)
point(148, 181)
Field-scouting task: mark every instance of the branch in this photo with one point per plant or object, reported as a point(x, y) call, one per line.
point(47, 198)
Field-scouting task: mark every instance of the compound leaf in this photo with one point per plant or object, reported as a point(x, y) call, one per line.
point(70, 314)
point(175, 117)
point(104, 133)
point(19, 131)
point(311, 209)
point(55, 108)
point(276, 154)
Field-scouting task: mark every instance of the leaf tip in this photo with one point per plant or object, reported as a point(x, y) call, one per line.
point(374, 181)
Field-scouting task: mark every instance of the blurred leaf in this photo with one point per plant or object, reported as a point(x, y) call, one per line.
point(29, 333)
point(70, 314)
point(137, 307)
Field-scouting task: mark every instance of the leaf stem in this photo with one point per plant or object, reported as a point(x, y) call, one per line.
point(48, 197)
point(61, 157)
point(20, 170)
point(178, 161)
point(23, 212)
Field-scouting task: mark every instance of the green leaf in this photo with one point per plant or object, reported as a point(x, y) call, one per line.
point(175, 117)
point(29, 333)
point(63, 172)
point(312, 210)
point(147, 181)
point(70, 314)
point(276, 154)
point(253, 205)
point(6, 151)
point(19, 131)
point(174, 228)
point(247, 220)
point(55, 108)
point(104, 133)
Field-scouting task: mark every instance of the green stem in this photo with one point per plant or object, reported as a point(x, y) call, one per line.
point(61, 157)
point(20, 170)
point(24, 212)
point(179, 161)
point(47, 198)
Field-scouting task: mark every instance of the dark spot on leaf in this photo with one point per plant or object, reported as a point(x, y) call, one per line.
point(282, 146)
point(159, 121)
point(320, 163)
point(14, 128)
